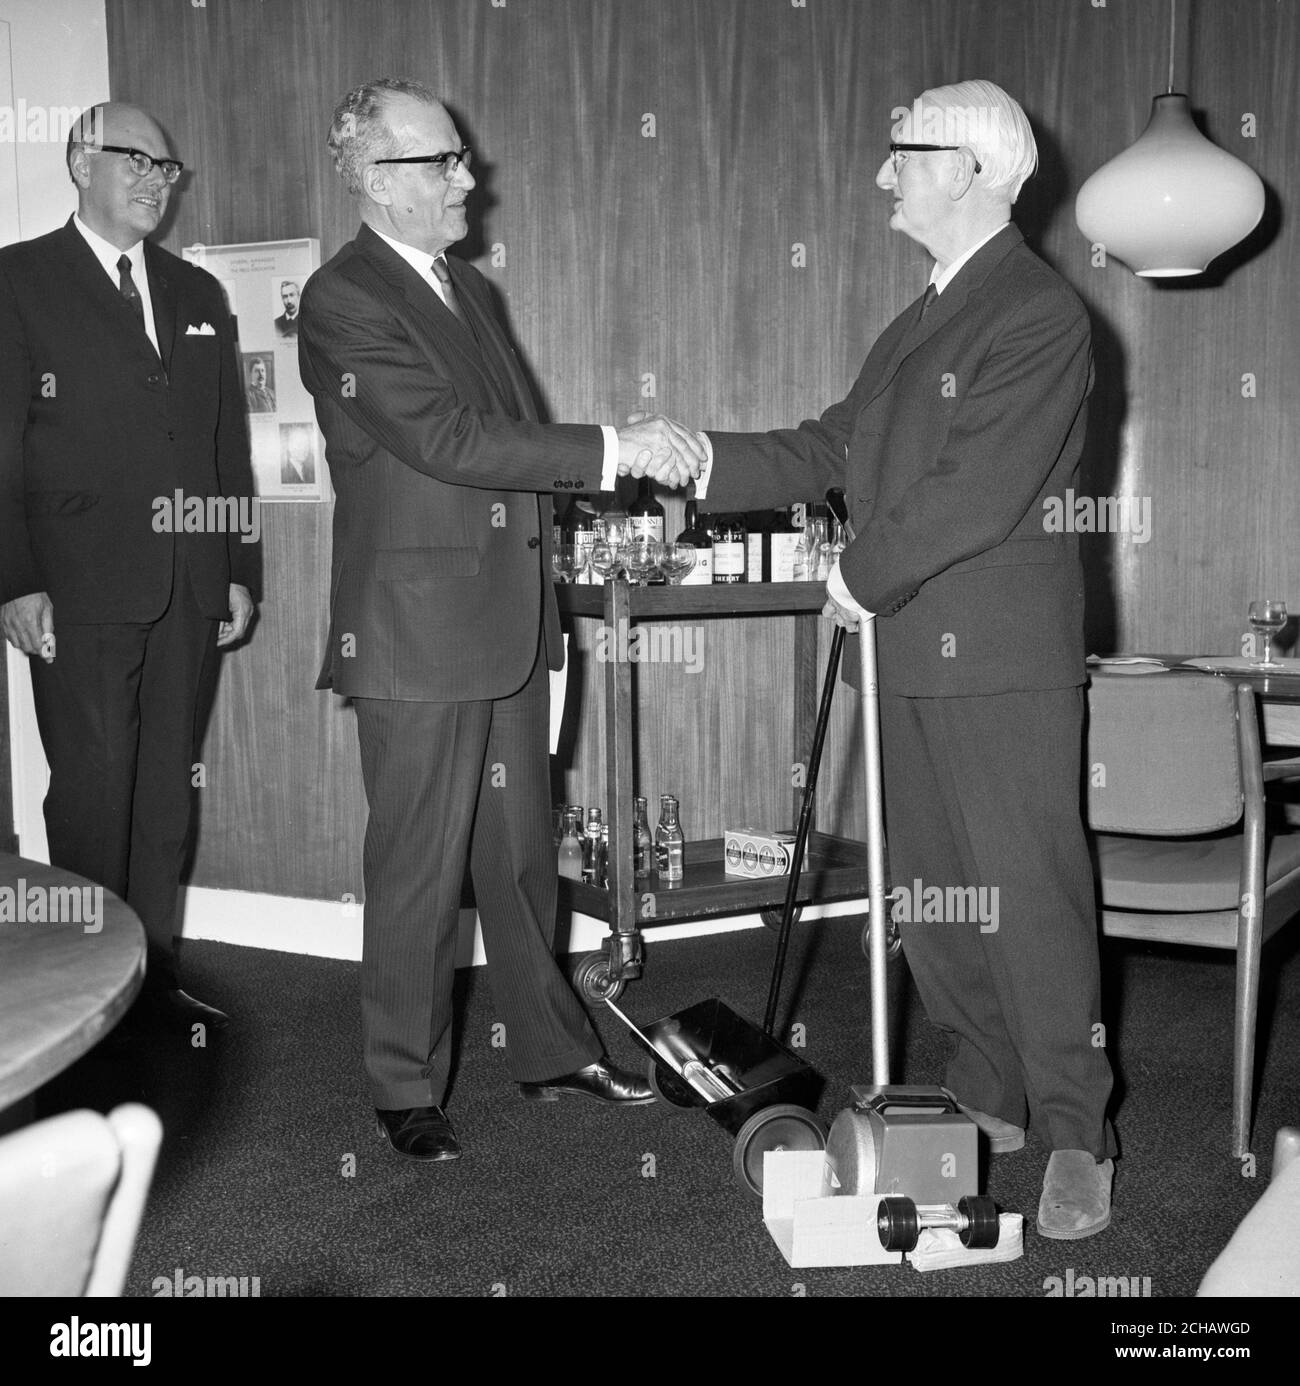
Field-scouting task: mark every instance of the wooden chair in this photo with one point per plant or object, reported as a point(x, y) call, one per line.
point(72, 1192)
point(1176, 804)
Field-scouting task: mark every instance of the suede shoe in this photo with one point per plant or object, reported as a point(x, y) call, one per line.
point(1076, 1195)
point(1003, 1137)
point(419, 1133)
point(600, 1080)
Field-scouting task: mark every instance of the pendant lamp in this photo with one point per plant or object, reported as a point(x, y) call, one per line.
point(1172, 201)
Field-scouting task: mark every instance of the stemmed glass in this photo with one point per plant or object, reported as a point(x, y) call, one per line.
point(604, 559)
point(1267, 617)
point(616, 530)
point(677, 561)
point(568, 562)
point(641, 556)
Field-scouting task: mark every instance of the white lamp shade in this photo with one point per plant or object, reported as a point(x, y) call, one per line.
point(1171, 201)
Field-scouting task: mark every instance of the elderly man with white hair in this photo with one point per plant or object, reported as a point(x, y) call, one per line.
point(966, 420)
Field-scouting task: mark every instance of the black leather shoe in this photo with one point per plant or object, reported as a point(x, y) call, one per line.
point(419, 1133)
point(600, 1080)
point(178, 1008)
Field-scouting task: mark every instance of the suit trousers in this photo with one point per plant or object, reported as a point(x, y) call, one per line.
point(985, 792)
point(120, 717)
point(447, 781)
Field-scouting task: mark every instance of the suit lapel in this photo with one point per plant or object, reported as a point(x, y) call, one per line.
point(89, 276)
point(163, 294)
point(452, 335)
point(497, 356)
point(913, 330)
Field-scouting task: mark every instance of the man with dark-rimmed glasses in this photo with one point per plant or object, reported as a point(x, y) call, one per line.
point(443, 620)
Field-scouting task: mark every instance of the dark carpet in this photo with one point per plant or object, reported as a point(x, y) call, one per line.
point(271, 1167)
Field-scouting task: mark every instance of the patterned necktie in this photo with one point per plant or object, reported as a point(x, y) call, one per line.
point(931, 294)
point(443, 276)
point(129, 291)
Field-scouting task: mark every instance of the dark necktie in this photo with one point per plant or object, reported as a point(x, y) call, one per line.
point(129, 291)
point(931, 294)
point(443, 276)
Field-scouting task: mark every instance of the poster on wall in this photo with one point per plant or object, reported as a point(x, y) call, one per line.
point(263, 284)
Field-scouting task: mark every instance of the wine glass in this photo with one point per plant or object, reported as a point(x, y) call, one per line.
point(1267, 617)
point(677, 561)
point(604, 559)
point(568, 562)
point(641, 556)
point(616, 529)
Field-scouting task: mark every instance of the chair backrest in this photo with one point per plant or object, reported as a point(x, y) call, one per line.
point(1163, 754)
point(72, 1192)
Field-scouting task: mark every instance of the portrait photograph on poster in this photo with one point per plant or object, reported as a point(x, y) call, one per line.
point(259, 381)
point(263, 286)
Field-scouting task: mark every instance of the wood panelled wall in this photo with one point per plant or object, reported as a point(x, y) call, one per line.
point(648, 168)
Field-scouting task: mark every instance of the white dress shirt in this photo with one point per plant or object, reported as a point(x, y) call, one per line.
point(108, 255)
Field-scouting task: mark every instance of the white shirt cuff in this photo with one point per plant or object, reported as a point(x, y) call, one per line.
point(609, 467)
point(837, 590)
point(702, 481)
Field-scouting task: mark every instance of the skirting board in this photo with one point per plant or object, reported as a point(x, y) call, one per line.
point(328, 929)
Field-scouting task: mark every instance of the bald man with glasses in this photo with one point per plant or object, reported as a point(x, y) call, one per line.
point(119, 386)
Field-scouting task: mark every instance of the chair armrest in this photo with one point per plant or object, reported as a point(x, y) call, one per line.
point(1282, 769)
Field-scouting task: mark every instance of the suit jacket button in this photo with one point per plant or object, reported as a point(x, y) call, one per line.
point(534, 542)
point(154, 379)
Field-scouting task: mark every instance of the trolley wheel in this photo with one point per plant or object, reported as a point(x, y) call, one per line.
point(893, 941)
point(772, 918)
point(783, 1127)
point(670, 1089)
point(980, 1225)
point(590, 975)
point(897, 1224)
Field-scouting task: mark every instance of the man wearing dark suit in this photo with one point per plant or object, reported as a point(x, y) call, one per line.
point(967, 416)
point(443, 620)
point(119, 387)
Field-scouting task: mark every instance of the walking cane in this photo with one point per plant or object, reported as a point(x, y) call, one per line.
point(875, 821)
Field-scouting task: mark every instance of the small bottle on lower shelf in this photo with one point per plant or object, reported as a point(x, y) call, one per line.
point(669, 842)
point(570, 850)
point(643, 844)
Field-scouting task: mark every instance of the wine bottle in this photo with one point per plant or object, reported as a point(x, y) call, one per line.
point(646, 514)
point(787, 548)
point(695, 533)
point(728, 549)
point(669, 843)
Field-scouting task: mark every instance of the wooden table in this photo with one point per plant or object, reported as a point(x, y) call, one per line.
point(1278, 695)
point(63, 985)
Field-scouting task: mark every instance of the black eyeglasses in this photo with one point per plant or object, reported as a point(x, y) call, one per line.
point(448, 162)
point(896, 149)
point(142, 164)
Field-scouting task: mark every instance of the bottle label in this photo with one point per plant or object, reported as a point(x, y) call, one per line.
point(702, 574)
point(585, 540)
point(728, 559)
point(787, 551)
point(651, 526)
point(754, 562)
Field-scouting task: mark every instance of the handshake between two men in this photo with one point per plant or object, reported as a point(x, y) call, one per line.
point(672, 455)
point(651, 445)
